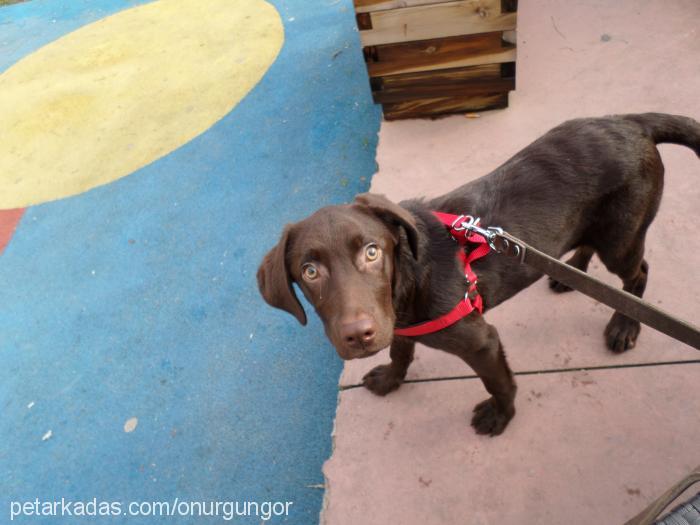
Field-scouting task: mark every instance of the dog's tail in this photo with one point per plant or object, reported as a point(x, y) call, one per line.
point(675, 129)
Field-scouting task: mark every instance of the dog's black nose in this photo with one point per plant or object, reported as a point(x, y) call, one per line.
point(358, 333)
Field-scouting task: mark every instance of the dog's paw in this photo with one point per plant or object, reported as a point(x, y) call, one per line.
point(558, 287)
point(489, 419)
point(381, 380)
point(621, 333)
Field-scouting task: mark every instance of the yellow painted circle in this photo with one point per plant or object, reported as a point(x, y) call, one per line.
point(115, 95)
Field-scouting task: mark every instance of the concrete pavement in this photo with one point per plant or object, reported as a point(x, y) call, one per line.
point(587, 445)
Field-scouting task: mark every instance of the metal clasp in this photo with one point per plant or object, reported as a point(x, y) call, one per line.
point(493, 235)
point(470, 223)
point(464, 222)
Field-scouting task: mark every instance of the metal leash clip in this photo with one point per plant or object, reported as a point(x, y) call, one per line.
point(470, 223)
point(494, 236)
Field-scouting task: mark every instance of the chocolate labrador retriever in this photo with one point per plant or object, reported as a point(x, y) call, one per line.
point(589, 185)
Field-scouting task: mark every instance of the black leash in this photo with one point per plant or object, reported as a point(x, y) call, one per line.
point(620, 300)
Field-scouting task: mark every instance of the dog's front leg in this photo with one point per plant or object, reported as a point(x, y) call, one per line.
point(480, 347)
point(385, 378)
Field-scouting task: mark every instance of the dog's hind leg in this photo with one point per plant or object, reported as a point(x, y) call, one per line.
point(621, 332)
point(619, 241)
point(580, 259)
point(624, 256)
point(386, 378)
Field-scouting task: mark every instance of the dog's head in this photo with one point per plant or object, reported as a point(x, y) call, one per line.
point(343, 258)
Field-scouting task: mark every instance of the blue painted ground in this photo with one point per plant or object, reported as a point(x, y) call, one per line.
point(138, 299)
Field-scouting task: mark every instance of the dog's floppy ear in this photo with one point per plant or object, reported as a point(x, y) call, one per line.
point(275, 283)
point(392, 214)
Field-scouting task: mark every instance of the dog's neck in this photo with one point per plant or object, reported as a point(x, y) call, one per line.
point(415, 296)
point(409, 287)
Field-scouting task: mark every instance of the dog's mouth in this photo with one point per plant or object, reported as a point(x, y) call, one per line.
point(361, 352)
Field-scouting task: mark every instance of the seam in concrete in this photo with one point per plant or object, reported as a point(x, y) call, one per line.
point(535, 372)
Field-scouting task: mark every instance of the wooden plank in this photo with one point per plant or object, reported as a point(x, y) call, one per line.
point(434, 107)
point(367, 6)
point(439, 53)
point(463, 17)
point(470, 81)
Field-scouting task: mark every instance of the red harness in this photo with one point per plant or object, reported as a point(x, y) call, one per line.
point(472, 300)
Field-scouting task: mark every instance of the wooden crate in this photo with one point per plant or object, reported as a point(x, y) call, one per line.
point(430, 57)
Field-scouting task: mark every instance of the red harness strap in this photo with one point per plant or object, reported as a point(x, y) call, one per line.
point(472, 300)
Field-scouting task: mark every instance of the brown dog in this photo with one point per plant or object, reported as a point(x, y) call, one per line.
point(593, 185)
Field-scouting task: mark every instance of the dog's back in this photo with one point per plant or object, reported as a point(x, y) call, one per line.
point(575, 179)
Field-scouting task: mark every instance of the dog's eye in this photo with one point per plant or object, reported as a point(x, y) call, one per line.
point(309, 271)
point(372, 252)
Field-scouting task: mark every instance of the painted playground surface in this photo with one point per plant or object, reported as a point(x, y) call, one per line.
point(150, 153)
